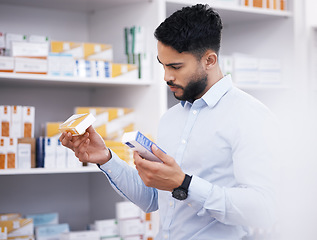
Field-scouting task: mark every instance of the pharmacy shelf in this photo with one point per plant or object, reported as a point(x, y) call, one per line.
point(234, 14)
point(72, 5)
point(32, 171)
point(10, 78)
point(265, 87)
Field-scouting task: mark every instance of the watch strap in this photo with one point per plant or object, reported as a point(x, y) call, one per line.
point(186, 182)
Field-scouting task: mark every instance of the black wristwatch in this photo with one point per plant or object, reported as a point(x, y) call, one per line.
point(181, 192)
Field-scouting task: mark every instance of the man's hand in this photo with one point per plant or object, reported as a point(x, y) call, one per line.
point(89, 147)
point(164, 176)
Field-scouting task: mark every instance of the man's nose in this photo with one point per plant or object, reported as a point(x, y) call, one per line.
point(168, 76)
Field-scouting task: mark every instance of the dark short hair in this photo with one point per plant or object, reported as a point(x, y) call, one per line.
point(193, 29)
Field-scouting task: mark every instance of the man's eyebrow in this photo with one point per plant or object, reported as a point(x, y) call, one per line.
point(169, 64)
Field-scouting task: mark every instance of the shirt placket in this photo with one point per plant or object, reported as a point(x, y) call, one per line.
point(194, 110)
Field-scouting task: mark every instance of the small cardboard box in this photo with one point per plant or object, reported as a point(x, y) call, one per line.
point(12, 149)
point(77, 123)
point(30, 49)
point(50, 232)
point(18, 227)
point(32, 142)
point(9, 216)
point(41, 219)
point(5, 120)
point(30, 65)
point(6, 63)
point(3, 153)
point(80, 235)
point(16, 121)
point(28, 121)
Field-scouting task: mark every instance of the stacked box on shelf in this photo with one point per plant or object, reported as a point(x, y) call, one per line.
point(47, 226)
point(121, 150)
point(18, 228)
point(84, 50)
point(16, 137)
point(107, 228)
point(30, 56)
point(269, 4)
point(245, 69)
point(60, 64)
point(80, 235)
point(6, 64)
point(103, 69)
point(2, 46)
point(110, 123)
point(17, 121)
point(51, 154)
point(134, 223)
point(250, 70)
point(136, 52)
point(269, 71)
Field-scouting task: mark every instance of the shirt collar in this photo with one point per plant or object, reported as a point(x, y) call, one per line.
point(216, 92)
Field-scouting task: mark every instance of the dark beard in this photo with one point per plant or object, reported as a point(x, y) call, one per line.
point(193, 89)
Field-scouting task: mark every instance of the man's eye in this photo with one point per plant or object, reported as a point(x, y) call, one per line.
point(175, 67)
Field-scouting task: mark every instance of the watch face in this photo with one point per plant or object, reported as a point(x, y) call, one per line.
point(179, 194)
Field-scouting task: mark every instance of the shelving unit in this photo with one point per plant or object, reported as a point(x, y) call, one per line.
point(38, 79)
point(84, 195)
point(90, 169)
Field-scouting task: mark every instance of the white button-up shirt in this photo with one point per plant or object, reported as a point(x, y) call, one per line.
point(225, 140)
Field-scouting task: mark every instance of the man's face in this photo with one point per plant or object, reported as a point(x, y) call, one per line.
point(183, 73)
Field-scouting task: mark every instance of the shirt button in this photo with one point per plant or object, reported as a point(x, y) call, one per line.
point(171, 204)
point(109, 171)
point(195, 112)
point(165, 236)
point(183, 141)
point(189, 205)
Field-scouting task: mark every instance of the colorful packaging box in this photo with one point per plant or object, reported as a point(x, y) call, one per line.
point(22, 228)
point(2, 44)
point(28, 121)
point(5, 120)
point(3, 153)
point(30, 65)
point(131, 227)
point(61, 64)
point(12, 149)
point(80, 235)
point(6, 63)
point(50, 152)
point(141, 144)
point(50, 232)
point(110, 123)
point(107, 228)
point(77, 123)
point(61, 155)
point(16, 121)
point(24, 156)
point(32, 143)
point(44, 218)
point(73, 48)
point(128, 210)
point(30, 49)
point(13, 37)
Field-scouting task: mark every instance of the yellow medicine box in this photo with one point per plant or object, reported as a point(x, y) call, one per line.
point(77, 123)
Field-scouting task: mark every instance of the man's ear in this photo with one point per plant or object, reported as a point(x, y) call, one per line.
point(210, 59)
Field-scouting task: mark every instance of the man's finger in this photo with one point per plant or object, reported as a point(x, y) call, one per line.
point(159, 153)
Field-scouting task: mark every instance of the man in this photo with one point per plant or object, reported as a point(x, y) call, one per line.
point(215, 179)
